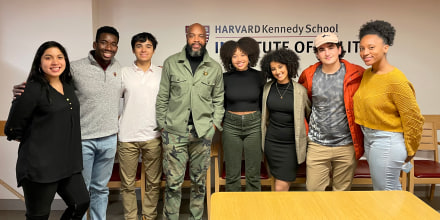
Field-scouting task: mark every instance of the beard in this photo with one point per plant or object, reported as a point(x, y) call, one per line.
point(198, 53)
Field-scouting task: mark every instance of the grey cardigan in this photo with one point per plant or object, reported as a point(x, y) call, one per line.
point(301, 111)
point(98, 92)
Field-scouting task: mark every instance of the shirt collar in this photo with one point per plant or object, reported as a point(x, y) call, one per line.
point(136, 68)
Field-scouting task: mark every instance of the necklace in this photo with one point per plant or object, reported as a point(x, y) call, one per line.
point(285, 90)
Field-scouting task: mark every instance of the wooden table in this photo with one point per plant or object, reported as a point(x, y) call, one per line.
point(320, 205)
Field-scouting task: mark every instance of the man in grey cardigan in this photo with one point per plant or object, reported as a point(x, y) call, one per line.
point(97, 80)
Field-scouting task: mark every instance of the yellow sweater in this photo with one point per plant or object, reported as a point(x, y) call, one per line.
point(387, 102)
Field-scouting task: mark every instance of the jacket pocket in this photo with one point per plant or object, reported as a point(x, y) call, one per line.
point(205, 89)
point(177, 86)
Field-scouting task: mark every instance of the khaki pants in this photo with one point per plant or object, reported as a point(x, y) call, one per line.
point(128, 153)
point(324, 162)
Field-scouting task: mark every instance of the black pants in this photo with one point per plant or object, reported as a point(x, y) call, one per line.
point(39, 197)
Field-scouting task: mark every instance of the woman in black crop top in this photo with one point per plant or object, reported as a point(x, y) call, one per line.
point(45, 120)
point(241, 124)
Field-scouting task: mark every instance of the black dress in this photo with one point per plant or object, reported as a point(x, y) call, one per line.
point(279, 144)
point(47, 125)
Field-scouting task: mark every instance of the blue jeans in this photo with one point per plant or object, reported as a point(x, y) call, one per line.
point(98, 159)
point(386, 153)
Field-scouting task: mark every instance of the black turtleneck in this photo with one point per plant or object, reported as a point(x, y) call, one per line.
point(243, 90)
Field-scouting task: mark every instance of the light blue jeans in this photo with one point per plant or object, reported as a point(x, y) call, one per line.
point(98, 159)
point(386, 153)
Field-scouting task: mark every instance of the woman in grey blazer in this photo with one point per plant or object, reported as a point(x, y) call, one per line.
point(284, 108)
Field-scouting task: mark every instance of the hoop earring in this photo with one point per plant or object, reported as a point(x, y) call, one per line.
point(39, 70)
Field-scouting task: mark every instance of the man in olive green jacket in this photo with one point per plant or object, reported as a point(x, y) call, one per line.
point(189, 107)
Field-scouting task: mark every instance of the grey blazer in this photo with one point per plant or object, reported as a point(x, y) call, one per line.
point(301, 111)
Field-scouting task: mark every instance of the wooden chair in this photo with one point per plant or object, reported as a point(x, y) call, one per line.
point(220, 180)
point(436, 120)
point(433, 118)
point(426, 171)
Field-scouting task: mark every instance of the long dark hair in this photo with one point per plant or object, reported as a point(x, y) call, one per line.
point(36, 74)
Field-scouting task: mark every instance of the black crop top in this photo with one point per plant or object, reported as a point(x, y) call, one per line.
point(243, 90)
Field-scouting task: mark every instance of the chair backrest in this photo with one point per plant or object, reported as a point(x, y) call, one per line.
point(429, 139)
point(433, 118)
point(2, 128)
point(426, 171)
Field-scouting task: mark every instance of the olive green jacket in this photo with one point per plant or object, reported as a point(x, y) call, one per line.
point(181, 93)
point(301, 111)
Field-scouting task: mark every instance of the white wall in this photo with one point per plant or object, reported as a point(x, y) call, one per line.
point(25, 24)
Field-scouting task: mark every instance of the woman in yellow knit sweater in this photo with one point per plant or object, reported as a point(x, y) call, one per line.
point(386, 108)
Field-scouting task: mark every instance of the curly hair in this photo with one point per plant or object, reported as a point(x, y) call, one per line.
point(246, 44)
point(380, 28)
point(284, 56)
